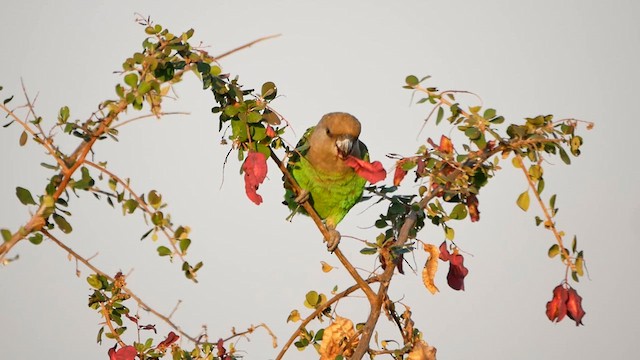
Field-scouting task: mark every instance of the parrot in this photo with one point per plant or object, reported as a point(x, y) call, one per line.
point(318, 166)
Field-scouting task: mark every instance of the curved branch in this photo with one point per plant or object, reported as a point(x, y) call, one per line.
point(318, 311)
point(318, 221)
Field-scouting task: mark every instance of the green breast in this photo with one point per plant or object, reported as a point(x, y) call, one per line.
point(332, 195)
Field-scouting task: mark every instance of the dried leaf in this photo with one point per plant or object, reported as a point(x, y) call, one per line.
point(574, 306)
point(338, 339)
point(557, 308)
point(171, 338)
point(326, 267)
point(430, 268)
point(422, 351)
point(399, 173)
point(457, 272)
point(472, 204)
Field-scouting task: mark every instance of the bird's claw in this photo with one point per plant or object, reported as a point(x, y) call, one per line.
point(332, 239)
point(302, 197)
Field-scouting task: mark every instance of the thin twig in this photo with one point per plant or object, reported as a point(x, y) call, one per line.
point(218, 57)
point(137, 299)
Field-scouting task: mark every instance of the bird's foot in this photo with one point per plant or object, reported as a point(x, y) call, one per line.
point(302, 197)
point(332, 239)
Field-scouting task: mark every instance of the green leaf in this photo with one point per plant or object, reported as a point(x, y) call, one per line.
point(164, 251)
point(62, 223)
point(94, 281)
point(449, 233)
point(24, 196)
point(552, 202)
point(564, 156)
point(144, 87)
point(7, 100)
point(523, 200)
point(489, 114)
point(412, 80)
point(155, 199)
point(184, 245)
point(131, 79)
point(6, 234)
point(440, 115)
point(580, 264)
point(63, 115)
point(36, 238)
point(459, 212)
point(157, 218)
point(554, 250)
point(129, 206)
point(23, 138)
point(312, 299)
point(368, 251)
point(574, 244)
point(146, 234)
point(269, 90)
point(472, 133)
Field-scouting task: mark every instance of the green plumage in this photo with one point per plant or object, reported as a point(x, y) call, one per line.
point(317, 165)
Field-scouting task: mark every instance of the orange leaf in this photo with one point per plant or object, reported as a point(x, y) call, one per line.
point(430, 268)
point(399, 174)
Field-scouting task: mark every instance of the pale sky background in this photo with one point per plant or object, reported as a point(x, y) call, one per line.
point(567, 58)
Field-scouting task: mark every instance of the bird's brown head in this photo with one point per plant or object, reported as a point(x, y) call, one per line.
point(341, 130)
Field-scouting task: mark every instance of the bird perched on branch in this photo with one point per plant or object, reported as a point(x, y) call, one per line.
point(330, 164)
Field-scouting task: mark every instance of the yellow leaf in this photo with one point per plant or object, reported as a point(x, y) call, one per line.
point(430, 268)
point(326, 267)
point(294, 316)
point(523, 201)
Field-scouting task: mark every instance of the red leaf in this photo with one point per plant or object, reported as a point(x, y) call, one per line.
point(125, 353)
point(457, 272)
point(372, 172)
point(399, 173)
point(132, 318)
point(270, 132)
point(557, 308)
point(221, 349)
point(255, 171)
point(574, 306)
point(444, 252)
point(171, 338)
point(472, 204)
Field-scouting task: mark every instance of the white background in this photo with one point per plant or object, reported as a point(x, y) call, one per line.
point(571, 59)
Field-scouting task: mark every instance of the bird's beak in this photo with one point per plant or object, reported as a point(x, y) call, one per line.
point(344, 145)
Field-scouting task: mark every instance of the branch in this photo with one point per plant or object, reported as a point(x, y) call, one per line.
point(250, 330)
point(318, 311)
point(139, 301)
point(107, 320)
point(246, 46)
point(320, 224)
point(143, 205)
point(549, 222)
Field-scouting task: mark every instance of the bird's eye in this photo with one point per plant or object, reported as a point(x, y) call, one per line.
point(328, 132)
